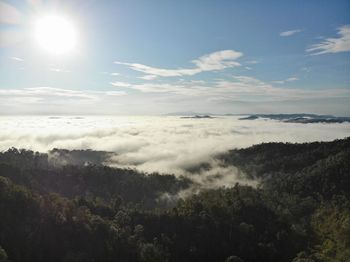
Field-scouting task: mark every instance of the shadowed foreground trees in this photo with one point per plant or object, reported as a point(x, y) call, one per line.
point(299, 212)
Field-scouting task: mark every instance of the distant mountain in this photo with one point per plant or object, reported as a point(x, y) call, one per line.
point(299, 118)
point(187, 113)
point(198, 116)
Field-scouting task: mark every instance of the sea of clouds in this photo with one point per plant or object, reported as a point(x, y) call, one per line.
point(165, 144)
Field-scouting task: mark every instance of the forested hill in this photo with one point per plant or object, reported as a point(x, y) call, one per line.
point(265, 158)
point(319, 169)
point(77, 210)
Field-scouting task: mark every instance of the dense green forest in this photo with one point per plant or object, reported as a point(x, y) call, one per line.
point(81, 210)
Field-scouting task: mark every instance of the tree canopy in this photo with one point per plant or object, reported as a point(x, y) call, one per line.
point(300, 211)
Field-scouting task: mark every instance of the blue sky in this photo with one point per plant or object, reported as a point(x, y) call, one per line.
point(155, 57)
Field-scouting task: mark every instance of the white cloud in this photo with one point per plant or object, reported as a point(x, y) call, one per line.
point(212, 62)
point(120, 84)
point(9, 14)
point(115, 74)
point(148, 77)
point(218, 60)
point(333, 45)
point(160, 71)
point(59, 70)
point(162, 88)
point(16, 58)
point(115, 93)
point(290, 32)
point(48, 91)
point(290, 79)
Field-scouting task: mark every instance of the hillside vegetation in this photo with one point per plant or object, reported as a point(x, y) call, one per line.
point(300, 211)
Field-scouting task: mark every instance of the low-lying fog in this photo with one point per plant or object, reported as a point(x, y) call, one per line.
point(164, 144)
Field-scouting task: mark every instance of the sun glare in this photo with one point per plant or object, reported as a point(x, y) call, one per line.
point(55, 34)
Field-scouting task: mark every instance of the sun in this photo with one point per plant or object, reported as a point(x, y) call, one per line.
point(55, 34)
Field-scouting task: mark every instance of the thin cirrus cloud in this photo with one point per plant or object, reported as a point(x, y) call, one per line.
point(251, 89)
point(53, 95)
point(245, 88)
point(211, 62)
point(333, 45)
point(120, 84)
point(44, 92)
point(238, 93)
point(148, 77)
point(290, 32)
point(290, 79)
point(17, 58)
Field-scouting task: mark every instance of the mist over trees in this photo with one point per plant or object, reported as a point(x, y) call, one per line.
point(80, 210)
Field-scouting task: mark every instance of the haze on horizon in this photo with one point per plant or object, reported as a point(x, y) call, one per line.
point(157, 57)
